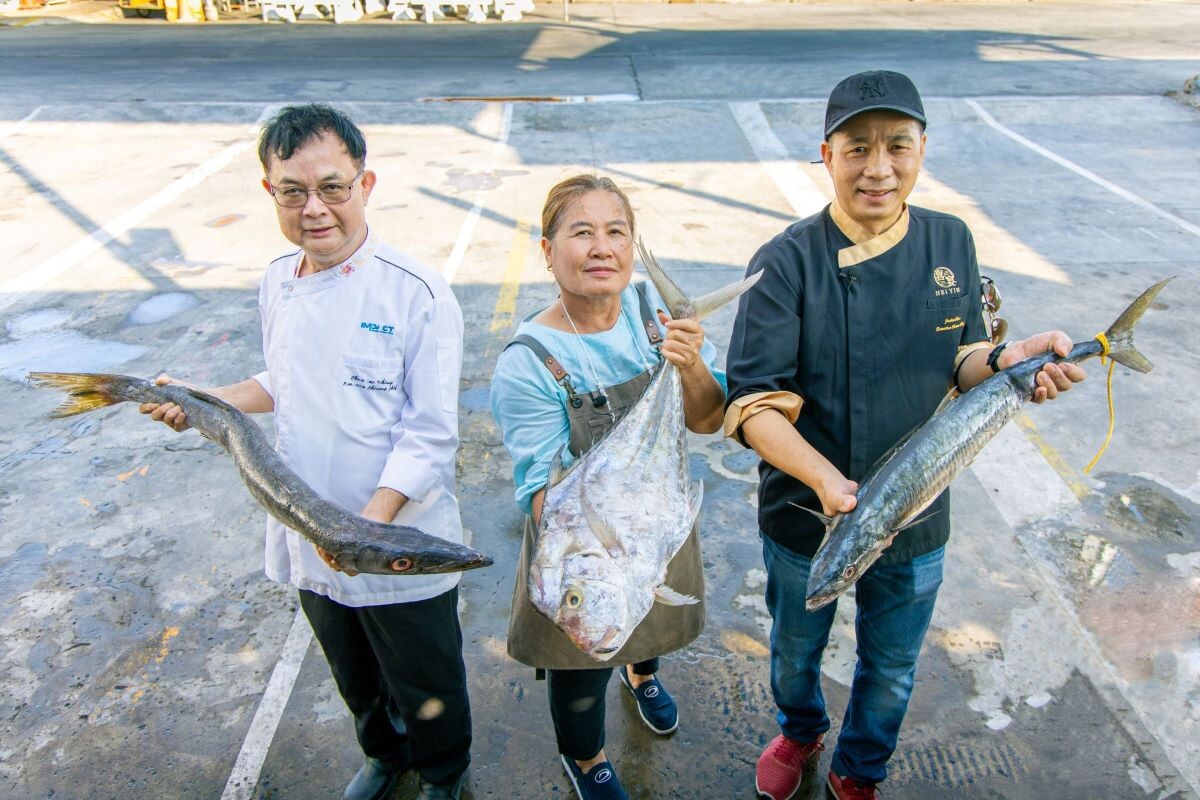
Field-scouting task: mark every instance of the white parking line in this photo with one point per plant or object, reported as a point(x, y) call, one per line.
point(244, 777)
point(802, 194)
point(1078, 170)
point(19, 124)
point(467, 231)
point(34, 279)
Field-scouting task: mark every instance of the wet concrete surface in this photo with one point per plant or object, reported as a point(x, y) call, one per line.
point(138, 634)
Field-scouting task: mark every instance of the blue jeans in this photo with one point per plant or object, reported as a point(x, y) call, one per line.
point(895, 604)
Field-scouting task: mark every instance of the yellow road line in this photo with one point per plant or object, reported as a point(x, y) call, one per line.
point(510, 285)
point(1069, 474)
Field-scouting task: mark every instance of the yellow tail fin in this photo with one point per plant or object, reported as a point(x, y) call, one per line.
point(88, 391)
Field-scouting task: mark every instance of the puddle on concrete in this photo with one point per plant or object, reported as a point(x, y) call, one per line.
point(478, 399)
point(41, 344)
point(36, 321)
point(161, 307)
point(464, 180)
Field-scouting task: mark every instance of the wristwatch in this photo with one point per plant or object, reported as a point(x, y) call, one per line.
point(993, 359)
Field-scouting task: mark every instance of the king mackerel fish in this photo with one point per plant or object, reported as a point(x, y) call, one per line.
point(907, 479)
point(355, 542)
point(612, 521)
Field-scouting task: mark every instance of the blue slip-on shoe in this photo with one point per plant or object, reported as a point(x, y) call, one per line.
point(655, 705)
point(598, 783)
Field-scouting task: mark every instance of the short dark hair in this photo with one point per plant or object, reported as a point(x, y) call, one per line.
point(295, 126)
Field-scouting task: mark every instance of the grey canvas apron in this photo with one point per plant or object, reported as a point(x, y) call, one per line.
point(535, 640)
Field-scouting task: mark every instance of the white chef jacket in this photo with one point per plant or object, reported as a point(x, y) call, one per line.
point(363, 362)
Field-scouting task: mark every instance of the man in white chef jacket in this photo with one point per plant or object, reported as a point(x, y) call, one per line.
point(363, 348)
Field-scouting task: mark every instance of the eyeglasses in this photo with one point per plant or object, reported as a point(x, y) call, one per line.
point(331, 194)
point(991, 304)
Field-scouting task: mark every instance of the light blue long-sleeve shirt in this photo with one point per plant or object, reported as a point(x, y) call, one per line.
point(531, 408)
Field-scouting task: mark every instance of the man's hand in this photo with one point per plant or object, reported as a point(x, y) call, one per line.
point(836, 494)
point(331, 562)
point(1053, 378)
point(169, 414)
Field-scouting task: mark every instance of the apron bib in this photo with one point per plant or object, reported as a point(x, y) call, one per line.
point(532, 638)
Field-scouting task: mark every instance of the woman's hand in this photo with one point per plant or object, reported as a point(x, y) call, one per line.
point(684, 340)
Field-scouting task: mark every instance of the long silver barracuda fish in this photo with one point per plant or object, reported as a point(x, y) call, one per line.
point(613, 521)
point(355, 542)
point(909, 477)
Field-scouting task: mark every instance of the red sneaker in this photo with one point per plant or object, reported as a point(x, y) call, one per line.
point(782, 765)
point(850, 789)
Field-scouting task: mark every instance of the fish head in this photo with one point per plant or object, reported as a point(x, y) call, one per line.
point(849, 549)
point(588, 602)
point(383, 556)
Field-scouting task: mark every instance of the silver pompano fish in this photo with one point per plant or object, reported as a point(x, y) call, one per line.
point(911, 476)
point(612, 522)
point(355, 542)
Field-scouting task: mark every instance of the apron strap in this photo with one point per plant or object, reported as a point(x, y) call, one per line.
point(649, 318)
point(561, 376)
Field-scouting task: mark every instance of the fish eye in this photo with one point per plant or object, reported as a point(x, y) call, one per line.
point(849, 572)
point(573, 598)
point(401, 564)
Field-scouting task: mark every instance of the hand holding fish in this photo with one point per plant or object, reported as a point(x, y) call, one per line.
point(684, 339)
point(168, 414)
point(703, 397)
point(836, 493)
point(1053, 378)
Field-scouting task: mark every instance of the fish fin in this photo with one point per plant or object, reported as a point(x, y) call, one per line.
point(695, 498)
point(559, 473)
point(679, 304)
point(708, 303)
point(609, 539)
point(1120, 333)
point(669, 597)
point(87, 391)
point(826, 519)
point(916, 521)
point(950, 397)
point(672, 295)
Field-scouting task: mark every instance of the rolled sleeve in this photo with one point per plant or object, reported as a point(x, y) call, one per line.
point(748, 405)
point(425, 437)
point(762, 362)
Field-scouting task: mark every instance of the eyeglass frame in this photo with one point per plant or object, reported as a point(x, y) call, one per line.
point(308, 192)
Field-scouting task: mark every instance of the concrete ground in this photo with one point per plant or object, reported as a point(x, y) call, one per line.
point(142, 652)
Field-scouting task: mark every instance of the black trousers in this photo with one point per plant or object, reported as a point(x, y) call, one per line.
point(400, 670)
point(577, 707)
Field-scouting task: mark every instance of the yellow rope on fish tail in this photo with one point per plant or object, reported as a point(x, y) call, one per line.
point(1112, 414)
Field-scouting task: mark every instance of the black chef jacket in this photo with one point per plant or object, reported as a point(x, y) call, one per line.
point(866, 335)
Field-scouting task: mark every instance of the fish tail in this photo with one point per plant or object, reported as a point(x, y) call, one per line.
point(679, 304)
point(1120, 334)
point(87, 391)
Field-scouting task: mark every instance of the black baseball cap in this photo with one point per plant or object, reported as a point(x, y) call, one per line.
point(868, 91)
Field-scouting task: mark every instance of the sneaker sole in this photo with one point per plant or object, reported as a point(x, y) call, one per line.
point(570, 776)
point(767, 796)
point(659, 731)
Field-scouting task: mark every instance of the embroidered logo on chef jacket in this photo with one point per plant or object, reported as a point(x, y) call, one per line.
point(944, 277)
point(374, 327)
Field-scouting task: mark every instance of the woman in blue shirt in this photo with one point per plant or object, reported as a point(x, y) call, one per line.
point(571, 371)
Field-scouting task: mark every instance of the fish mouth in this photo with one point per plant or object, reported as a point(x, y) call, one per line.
point(605, 647)
point(474, 561)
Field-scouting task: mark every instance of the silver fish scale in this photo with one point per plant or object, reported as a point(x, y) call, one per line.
point(636, 481)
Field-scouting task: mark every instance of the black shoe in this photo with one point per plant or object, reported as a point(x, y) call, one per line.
point(655, 705)
point(374, 780)
point(443, 791)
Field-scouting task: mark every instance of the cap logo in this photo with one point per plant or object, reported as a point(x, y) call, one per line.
point(871, 87)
